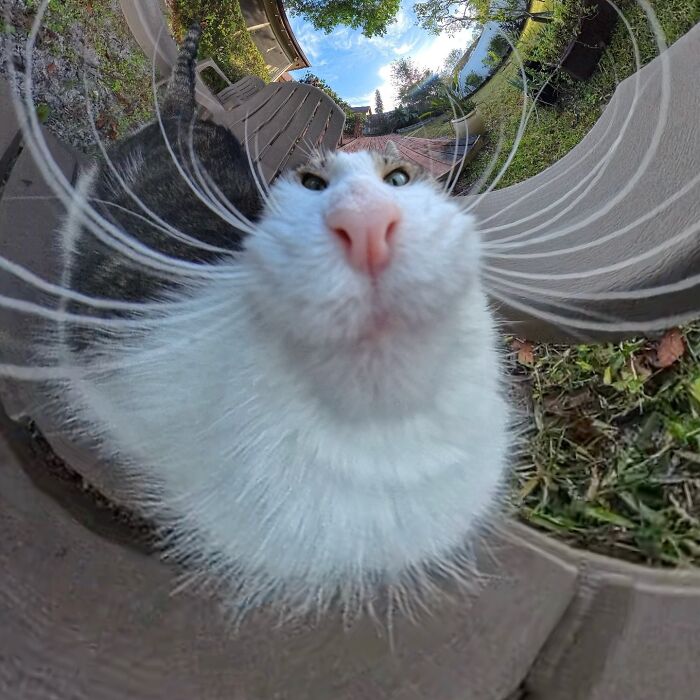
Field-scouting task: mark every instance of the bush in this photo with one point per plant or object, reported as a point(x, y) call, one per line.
point(225, 38)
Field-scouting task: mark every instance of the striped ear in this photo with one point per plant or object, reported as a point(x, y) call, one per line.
point(391, 150)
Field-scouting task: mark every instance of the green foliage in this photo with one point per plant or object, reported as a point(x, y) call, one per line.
point(405, 76)
point(499, 45)
point(449, 100)
point(225, 38)
point(371, 16)
point(450, 63)
point(552, 133)
point(473, 79)
point(126, 74)
point(321, 84)
point(452, 15)
point(43, 112)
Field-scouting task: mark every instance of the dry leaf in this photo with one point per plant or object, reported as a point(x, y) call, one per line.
point(51, 68)
point(100, 121)
point(525, 350)
point(670, 348)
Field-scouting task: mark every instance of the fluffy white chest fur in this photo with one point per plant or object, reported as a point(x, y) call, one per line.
point(298, 464)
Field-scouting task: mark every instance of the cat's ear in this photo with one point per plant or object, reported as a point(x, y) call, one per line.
point(390, 150)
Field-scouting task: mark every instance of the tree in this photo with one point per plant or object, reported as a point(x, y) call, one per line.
point(452, 15)
point(378, 103)
point(499, 45)
point(371, 16)
point(473, 80)
point(448, 67)
point(321, 84)
point(405, 76)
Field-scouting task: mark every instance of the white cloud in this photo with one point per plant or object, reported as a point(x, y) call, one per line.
point(404, 48)
point(432, 54)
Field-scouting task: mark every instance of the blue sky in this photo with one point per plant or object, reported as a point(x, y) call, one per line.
point(355, 66)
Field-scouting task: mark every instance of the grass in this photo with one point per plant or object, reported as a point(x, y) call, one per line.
point(613, 461)
point(225, 38)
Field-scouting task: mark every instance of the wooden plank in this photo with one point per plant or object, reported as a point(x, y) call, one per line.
point(334, 130)
point(240, 92)
point(262, 106)
point(435, 155)
point(311, 136)
point(280, 144)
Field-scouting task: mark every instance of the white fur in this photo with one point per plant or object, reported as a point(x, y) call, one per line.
point(325, 434)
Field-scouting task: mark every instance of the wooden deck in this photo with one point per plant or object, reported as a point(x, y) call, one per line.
point(439, 156)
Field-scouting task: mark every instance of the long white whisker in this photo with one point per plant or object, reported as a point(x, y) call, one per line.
point(212, 206)
point(600, 240)
point(505, 287)
point(615, 327)
point(524, 116)
point(43, 373)
point(660, 247)
point(638, 293)
point(212, 190)
point(576, 163)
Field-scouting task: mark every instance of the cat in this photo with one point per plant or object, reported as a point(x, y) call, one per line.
point(302, 387)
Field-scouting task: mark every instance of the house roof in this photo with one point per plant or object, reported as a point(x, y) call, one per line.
point(364, 110)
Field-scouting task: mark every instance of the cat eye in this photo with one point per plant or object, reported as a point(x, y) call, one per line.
point(397, 178)
point(313, 182)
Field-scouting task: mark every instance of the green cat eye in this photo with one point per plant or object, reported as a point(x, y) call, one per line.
point(397, 178)
point(313, 182)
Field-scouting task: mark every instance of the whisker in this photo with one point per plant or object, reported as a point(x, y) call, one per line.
point(213, 191)
point(616, 327)
point(599, 240)
point(504, 286)
point(660, 247)
point(524, 116)
point(207, 202)
point(570, 191)
point(621, 294)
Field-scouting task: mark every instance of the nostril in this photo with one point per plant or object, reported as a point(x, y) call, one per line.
point(344, 237)
point(391, 230)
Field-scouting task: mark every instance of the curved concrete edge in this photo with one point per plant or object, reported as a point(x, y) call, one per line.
point(98, 616)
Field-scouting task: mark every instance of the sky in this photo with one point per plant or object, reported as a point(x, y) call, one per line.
point(355, 66)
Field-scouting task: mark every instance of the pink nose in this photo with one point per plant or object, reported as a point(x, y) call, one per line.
point(366, 234)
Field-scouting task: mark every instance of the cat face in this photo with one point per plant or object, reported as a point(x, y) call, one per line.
point(353, 245)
